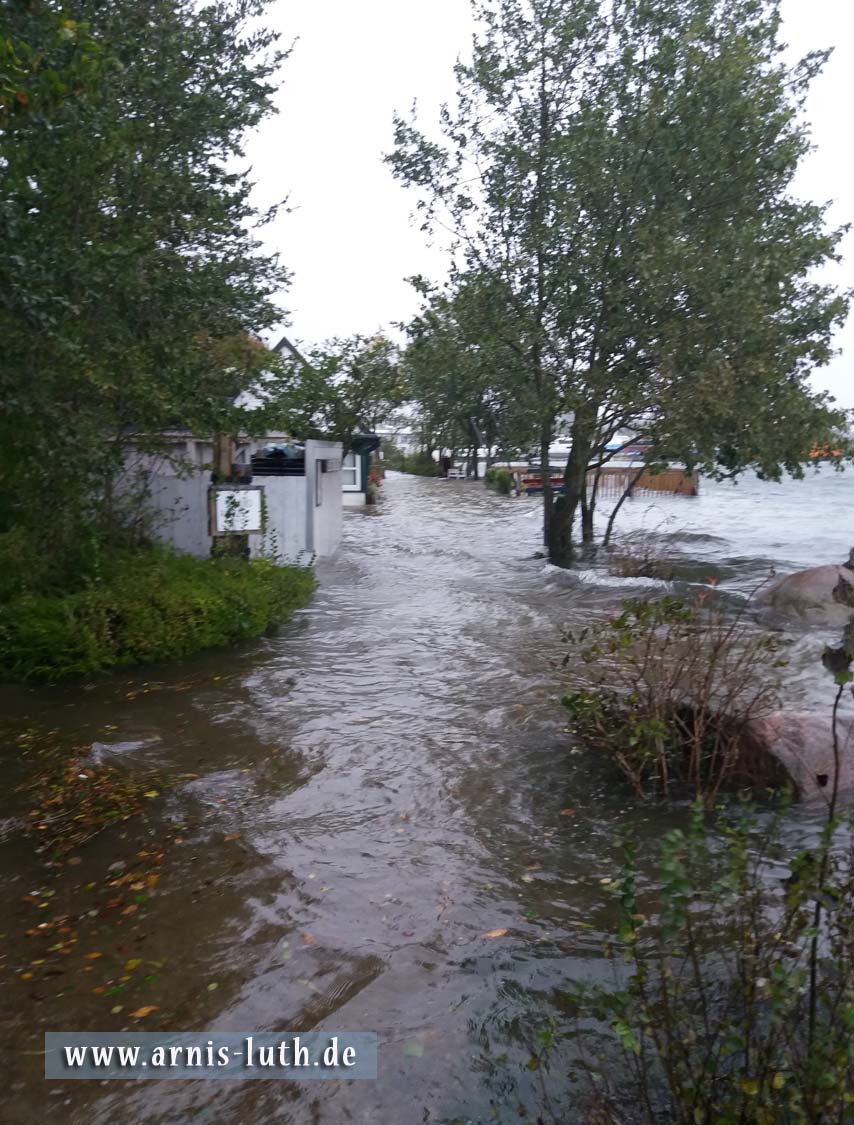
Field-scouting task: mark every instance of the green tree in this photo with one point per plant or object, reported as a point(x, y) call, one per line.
point(128, 257)
point(621, 172)
point(465, 382)
point(339, 389)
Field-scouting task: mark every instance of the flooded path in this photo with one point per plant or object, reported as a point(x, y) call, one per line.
point(377, 789)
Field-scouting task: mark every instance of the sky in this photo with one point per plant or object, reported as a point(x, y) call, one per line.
point(349, 238)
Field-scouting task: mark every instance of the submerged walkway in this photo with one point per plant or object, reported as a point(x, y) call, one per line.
point(386, 830)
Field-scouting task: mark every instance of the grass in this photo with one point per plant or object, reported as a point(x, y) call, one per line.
point(146, 607)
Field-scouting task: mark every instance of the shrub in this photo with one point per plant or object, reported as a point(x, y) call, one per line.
point(499, 479)
point(147, 607)
point(636, 555)
point(668, 689)
point(736, 1002)
point(421, 464)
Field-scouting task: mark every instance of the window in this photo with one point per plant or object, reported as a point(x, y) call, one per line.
point(351, 473)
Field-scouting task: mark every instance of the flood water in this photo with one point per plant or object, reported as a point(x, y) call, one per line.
point(377, 789)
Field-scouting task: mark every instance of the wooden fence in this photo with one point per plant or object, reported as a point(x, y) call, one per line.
point(615, 479)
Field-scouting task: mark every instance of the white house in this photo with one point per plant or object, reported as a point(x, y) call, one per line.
point(287, 508)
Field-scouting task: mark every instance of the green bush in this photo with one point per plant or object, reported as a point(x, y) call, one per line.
point(668, 689)
point(499, 479)
point(146, 607)
point(421, 464)
point(733, 999)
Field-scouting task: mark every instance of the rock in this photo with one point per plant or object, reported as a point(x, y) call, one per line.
point(822, 595)
point(802, 744)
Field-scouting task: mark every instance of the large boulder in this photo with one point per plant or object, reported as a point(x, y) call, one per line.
point(822, 595)
point(801, 743)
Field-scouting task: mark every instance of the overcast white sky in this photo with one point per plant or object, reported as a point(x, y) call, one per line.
point(349, 240)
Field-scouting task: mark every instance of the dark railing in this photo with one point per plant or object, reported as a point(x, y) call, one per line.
point(277, 465)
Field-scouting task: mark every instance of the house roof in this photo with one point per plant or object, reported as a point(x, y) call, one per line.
point(285, 345)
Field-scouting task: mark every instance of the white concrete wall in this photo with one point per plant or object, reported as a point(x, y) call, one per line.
point(180, 505)
point(325, 518)
point(285, 534)
point(296, 527)
point(355, 499)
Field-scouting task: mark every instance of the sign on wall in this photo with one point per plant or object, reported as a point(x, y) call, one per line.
point(237, 510)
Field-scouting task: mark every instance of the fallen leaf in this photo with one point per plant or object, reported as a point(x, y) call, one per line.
point(74, 860)
point(134, 963)
point(92, 956)
point(307, 939)
point(115, 1011)
point(567, 812)
point(141, 1013)
point(213, 986)
point(230, 837)
point(495, 933)
point(132, 909)
point(151, 793)
point(26, 976)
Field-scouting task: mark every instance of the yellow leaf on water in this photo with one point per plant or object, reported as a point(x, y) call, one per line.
point(26, 976)
point(141, 1013)
point(151, 793)
point(495, 933)
point(134, 963)
point(92, 956)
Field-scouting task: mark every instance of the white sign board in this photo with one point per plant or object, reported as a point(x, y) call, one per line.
point(238, 509)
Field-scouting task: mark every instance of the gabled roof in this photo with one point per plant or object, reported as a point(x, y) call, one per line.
point(284, 345)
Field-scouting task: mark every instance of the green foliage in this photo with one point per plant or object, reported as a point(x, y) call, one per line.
point(346, 387)
point(668, 690)
point(499, 479)
point(146, 607)
point(730, 1010)
point(465, 381)
point(421, 464)
point(393, 456)
point(131, 275)
point(617, 178)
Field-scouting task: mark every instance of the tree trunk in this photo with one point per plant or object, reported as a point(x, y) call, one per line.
point(627, 492)
point(546, 481)
point(223, 456)
point(588, 508)
point(575, 477)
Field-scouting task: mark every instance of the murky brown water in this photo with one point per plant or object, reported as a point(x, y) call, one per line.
point(380, 785)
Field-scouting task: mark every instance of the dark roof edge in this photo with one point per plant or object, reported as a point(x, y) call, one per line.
point(284, 345)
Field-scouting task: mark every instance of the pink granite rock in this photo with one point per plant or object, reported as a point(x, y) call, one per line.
point(802, 744)
point(821, 595)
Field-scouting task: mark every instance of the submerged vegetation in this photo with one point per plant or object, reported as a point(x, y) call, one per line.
point(146, 607)
point(668, 689)
point(734, 993)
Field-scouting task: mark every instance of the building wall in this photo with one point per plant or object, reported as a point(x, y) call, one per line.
point(285, 536)
point(180, 506)
point(324, 518)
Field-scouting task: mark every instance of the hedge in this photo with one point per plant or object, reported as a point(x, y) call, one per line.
point(148, 607)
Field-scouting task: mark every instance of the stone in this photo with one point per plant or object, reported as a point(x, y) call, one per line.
point(801, 743)
point(822, 595)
